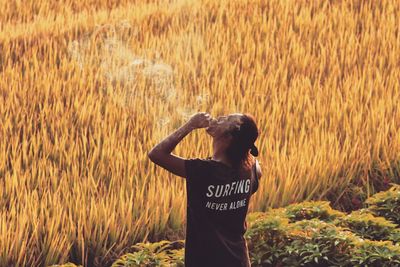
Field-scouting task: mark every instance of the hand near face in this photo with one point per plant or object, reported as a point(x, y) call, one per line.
point(200, 120)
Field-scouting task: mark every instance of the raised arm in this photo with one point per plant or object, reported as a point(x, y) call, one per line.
point(162, 155)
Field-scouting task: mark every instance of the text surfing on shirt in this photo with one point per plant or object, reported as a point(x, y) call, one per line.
point(218, 191)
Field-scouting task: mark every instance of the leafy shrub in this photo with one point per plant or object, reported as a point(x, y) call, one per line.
point(318, 243)
point(394, 236)
point(304, 234)
point(312, 210)
point(273, 241)
point(285, 237)
point(253, 217)
point(376, 254)
point(163, 253)
point(386, 204)
point(266, 239)
point(368, 226)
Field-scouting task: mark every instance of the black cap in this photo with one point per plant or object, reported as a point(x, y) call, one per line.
point(254, 150)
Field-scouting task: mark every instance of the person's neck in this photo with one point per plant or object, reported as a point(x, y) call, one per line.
point(220, 157)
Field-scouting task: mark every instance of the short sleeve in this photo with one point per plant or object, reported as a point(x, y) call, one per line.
point(195, 167)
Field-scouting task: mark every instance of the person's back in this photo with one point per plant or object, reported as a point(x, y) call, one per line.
point(218, 188)
point(218, 199)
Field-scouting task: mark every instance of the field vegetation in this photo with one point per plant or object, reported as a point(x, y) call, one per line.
point(320, 77)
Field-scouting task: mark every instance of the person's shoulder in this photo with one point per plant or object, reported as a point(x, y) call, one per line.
point(197, 166)
point(199, 160)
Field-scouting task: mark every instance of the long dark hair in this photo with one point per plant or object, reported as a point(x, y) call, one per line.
point(242, 144)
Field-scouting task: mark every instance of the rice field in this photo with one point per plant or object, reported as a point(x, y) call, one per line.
point(87, 88)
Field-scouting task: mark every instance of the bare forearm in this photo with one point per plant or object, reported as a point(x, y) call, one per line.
point(167, 145)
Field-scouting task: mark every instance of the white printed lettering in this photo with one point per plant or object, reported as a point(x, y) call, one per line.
point(233, 185)
point(243, 186)
point(237, 204)
point(226, 190)
point(216, 206)
point(218, 193)
point(247, 185)
point(210, 194)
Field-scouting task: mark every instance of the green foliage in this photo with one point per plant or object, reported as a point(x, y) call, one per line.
point(312, 209)
point(317, 243)
point(266, 239)
point(386, 204)
point(376, 254)
point(308, 234)
point(274, 241)
point(368, 226)
point(394, 236)
point(163, 253)
point(313, 234)
point(251, 218)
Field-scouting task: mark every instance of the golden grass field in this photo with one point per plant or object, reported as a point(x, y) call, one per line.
point(321, 78)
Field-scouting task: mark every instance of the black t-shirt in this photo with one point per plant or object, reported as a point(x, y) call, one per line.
point(217, 204)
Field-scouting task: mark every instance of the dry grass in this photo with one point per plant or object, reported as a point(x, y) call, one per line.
point(321, 78)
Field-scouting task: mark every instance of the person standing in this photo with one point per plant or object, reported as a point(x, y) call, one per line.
point(218, 187)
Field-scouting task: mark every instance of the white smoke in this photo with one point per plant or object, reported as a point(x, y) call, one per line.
point(126, 71)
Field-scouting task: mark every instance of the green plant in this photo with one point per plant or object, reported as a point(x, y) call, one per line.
point(253, 217)
point(386, 204)
point(266, 239)
point(367, 225)
point(153, 254)
point(375, 254)
point(273, 241)
point(318, 243)
point(312, 209)
point(394, 236)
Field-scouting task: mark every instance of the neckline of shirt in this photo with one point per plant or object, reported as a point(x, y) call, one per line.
point(219, 162)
